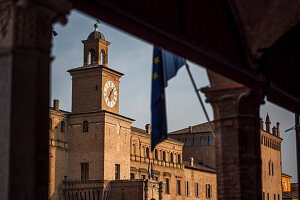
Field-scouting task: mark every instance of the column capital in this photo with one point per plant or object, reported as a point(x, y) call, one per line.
point(27, 24)
point(230, 99)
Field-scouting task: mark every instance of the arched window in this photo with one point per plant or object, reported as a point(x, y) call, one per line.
point(85, 126)
point(194, 142)
point(186, 142)
point(172, 160)
point(164, 156)
point(62, 126)
point(147, 153)
point(92, 57)
point(272, 169)
point(134, 149)
point(102, 57)
point(201, 141)
point(179, 158)
point(50, 124)
point(156, 154)
point(269, 168)
point(209, 141)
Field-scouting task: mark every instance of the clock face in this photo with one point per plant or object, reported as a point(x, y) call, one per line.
point(110, 94)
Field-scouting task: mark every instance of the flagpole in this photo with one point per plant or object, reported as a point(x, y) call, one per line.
point(199, 97)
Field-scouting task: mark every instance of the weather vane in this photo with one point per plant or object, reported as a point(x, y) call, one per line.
point(96, 24)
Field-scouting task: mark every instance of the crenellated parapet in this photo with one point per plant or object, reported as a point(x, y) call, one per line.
point(275, 129)
point(270, 137)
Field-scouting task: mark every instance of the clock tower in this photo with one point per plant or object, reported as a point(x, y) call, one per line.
point(95, 86)
point(99, 136)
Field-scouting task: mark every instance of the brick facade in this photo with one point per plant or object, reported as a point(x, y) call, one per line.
point(98, 153)
point(95, 153)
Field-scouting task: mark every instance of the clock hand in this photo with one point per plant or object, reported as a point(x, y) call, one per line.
point(109, 96)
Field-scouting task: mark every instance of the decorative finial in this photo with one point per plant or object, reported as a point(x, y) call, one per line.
point(267, 118)
point(96, 24)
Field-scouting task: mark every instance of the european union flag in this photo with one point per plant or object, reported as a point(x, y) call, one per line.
point(171, 64)
point(165, 66)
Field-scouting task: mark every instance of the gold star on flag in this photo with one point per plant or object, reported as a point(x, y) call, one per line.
point(156, 60)
point(155, 75)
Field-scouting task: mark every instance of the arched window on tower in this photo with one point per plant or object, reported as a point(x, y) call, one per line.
point(102, 57)
point(62, 126)
point(269, 168)
point(164, 156)
point(85, 126)
point(172, 159)
point(147, 153)
point(92, 57)
point(209, 141)
point(50, 124)
point(194, 142)
point(201, 141)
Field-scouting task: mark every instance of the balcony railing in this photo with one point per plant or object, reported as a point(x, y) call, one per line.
point(156, 162)
point(83, 190)
point(59, 144)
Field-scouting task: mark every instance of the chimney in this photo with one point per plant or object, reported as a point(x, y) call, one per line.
point(190, 129)
point(148, 128)
point(274, 131)
point(261, 124)
point(277, 127)
point(56, 104)
point(192, 161)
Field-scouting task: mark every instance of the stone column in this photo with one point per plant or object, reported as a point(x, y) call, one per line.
point(237, 126)
point(25, 42)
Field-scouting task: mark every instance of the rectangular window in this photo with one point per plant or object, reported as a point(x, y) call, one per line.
point(263, 196)
point(208, 190)
point(117, 172)
point(84, 171)
point(278, 197)
point(187, 189)
point(268, 197)
point(131, 176)
point(274, 196)
point(167, 186)
point(178, 188)
point(196, 190)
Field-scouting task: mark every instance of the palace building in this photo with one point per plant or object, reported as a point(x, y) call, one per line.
point(199, 144)
point(96, 153)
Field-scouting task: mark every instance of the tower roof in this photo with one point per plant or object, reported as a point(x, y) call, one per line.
point(96, 34)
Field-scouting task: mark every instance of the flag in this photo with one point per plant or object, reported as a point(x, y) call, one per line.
point(171, 64)
point(165, 66)
point(150, 171)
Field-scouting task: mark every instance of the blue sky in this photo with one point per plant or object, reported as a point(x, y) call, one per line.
point(133, 57)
